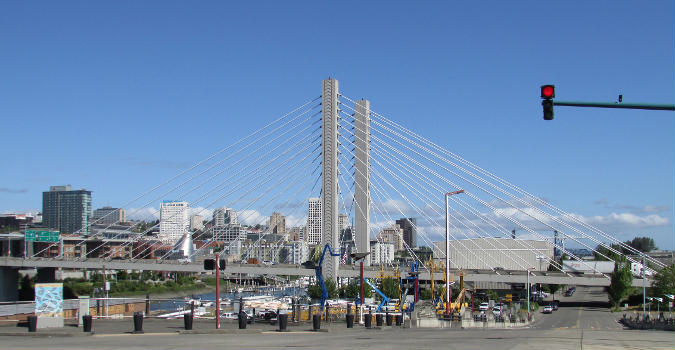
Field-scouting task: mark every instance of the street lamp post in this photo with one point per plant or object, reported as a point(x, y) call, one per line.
point(644, 284)
point(447, 249)
point(528, 292)
point(359, 257)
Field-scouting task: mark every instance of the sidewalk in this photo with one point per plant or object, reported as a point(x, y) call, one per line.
point(173, 326)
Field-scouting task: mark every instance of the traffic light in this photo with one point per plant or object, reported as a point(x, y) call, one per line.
point(548, 93)
point(210, 264)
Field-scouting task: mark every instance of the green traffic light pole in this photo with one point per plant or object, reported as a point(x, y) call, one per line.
point(650, 106)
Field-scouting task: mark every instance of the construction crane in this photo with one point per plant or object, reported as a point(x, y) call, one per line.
point(385, 299)
point(433, 267)
point(319, 273)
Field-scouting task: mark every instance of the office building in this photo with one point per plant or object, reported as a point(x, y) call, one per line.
point(314, 221)
point(224, 216)
point(409, 227)
point(109, 216)
point(381, 253)
point(297, 233)
point(174, 221)
point(196, 223)
point(67, 210)
point(393, 235)
point(277, 224)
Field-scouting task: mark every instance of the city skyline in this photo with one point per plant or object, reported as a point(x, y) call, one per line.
point(477, 73)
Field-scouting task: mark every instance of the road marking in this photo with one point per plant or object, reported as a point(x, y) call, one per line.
point(132, 334)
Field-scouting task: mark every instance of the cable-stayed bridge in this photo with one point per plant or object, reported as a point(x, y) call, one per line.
point(325, 164)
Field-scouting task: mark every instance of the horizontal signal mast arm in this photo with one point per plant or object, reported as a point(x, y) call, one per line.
point(660, 107)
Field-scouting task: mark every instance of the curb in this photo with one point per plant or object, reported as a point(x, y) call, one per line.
point(45, 335)
point(221, 331)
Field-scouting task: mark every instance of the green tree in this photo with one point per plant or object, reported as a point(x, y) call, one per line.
point(553, 288)
point(491, 295)
point(601, 253)
point(352, 290)
point(122, 275)
point(620, 286)
point(389, 286)
point(664, 281)
point(425, 294)
point(643, 244)
point(314, 290)
point(26, 289)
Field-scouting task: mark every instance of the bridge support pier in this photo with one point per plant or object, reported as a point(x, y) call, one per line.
point(9, 284)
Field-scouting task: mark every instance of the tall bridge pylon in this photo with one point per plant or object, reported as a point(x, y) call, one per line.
point(330, 173)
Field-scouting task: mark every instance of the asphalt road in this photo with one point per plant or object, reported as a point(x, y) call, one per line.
point(587, 309)
point(582, 322)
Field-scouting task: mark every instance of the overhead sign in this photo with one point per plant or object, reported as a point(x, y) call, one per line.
point(42, 236)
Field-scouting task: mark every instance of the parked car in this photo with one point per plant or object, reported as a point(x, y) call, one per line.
point(547, 309)
point(484, 307)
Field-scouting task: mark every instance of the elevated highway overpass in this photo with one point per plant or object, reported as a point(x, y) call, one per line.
point(298, 270)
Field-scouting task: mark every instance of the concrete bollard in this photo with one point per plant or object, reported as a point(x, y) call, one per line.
point(283, 322)
point(350, 320)
point(187, 321)
point(138, 322)
point(147, 303)
point(87, 322)
point(32, 323)
point(316, 322)
point(241, 319)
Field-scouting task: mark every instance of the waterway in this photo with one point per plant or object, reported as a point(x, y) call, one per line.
point(175, 303)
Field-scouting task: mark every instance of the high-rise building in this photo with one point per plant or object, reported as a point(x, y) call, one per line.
point(224, 216)
point(393, 235)
point(314, 221)
point(294, 252)
point(409, 227)
point(196, 222)
point(381, 253)
point(109, 216)
point(277, 224)
point(343, 222)
point(297, 233)
point(229, 233)
point(231, 216)
point(67, 210)
point(174, 221)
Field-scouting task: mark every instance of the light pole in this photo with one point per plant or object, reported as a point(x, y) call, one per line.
point(644, 284)
point(528, 292)
point(447, 250)
point(359, 257)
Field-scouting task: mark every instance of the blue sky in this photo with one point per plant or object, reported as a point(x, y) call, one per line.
point(91, 91)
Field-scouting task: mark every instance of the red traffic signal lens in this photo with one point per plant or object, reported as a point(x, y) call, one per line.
point(547, 91)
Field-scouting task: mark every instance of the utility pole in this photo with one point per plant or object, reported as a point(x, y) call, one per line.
point(447, 250)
